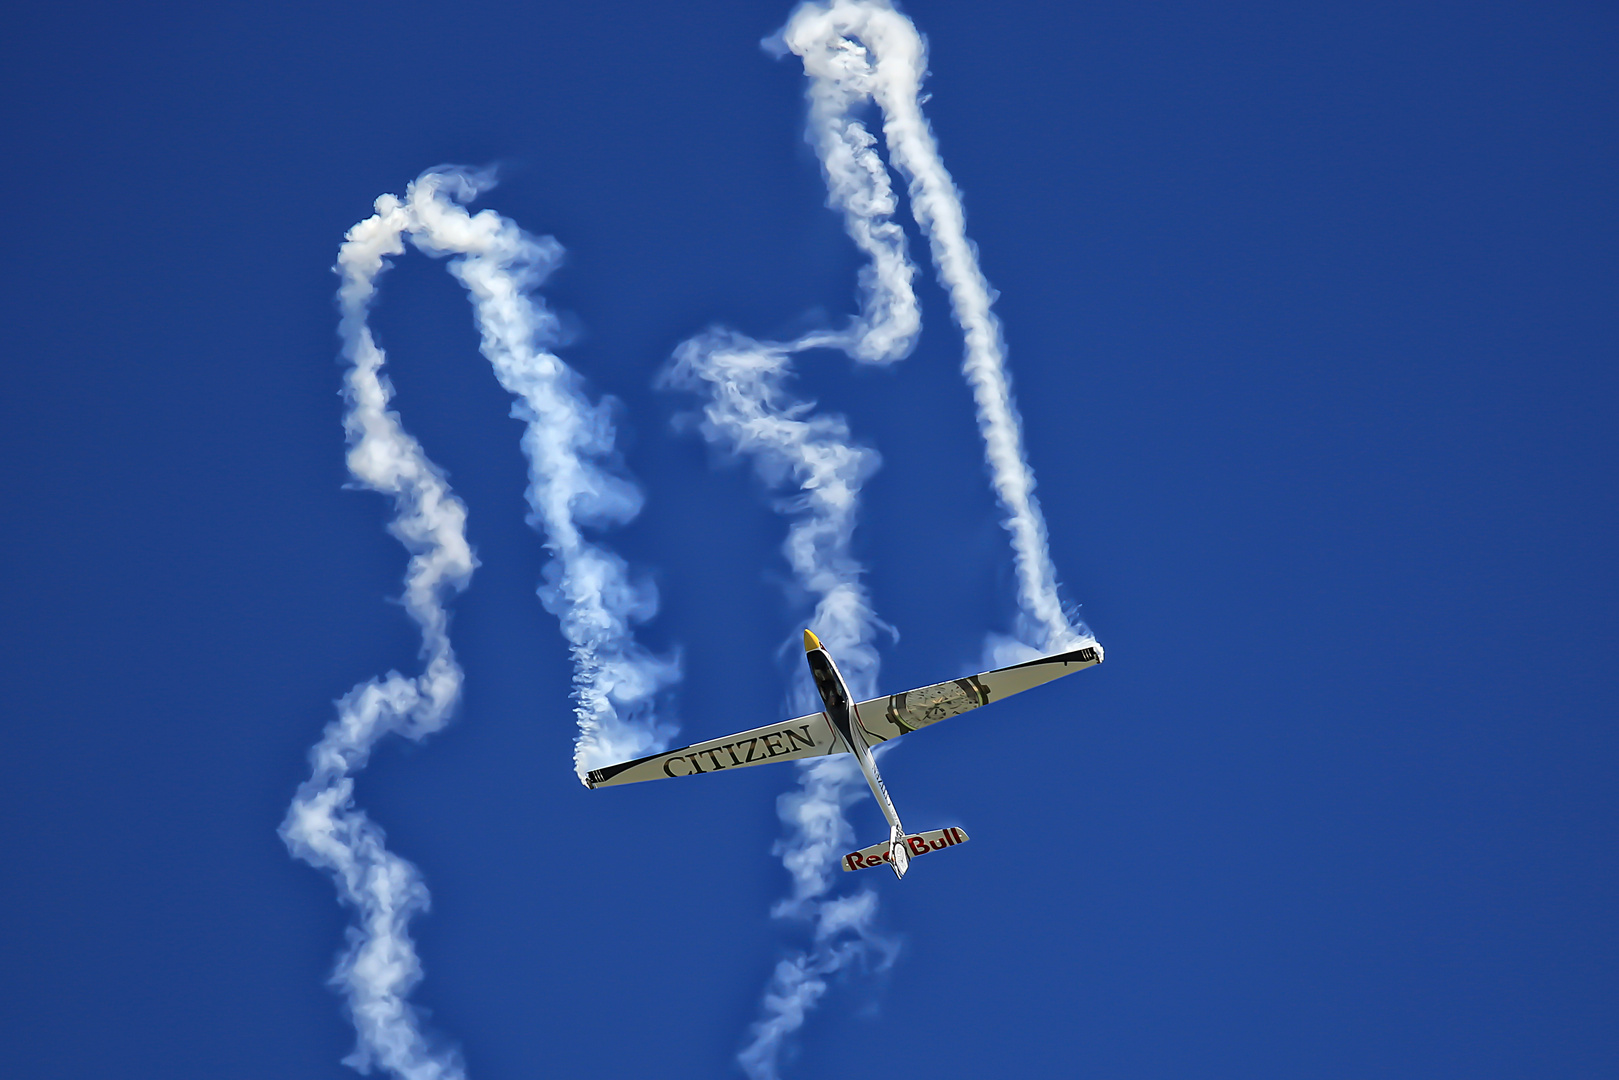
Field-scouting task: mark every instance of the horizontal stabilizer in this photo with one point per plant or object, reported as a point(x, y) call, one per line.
point(916, 843)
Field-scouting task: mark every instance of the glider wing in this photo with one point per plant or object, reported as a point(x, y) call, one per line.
point(889, 717)
point(805, 736)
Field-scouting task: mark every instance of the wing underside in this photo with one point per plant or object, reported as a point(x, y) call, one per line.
point(890, 717)
point(881, 718)
point(785, 740)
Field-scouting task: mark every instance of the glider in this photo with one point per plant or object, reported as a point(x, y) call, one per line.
point(850, 727)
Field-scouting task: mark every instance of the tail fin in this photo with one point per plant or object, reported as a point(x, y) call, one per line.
point(905, 848)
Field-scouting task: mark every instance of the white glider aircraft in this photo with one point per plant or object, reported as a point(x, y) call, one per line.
point(848, 727)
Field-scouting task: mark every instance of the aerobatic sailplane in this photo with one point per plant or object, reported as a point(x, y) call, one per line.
point(850, 727)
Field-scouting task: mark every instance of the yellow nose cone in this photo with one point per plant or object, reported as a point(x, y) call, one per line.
point(811, 642)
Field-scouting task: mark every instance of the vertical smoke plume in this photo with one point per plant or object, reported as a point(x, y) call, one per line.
point(323, 827)
point(748, 412)
point(855, 52)
point(573, 483)
point(574, 476)
point(864, 48)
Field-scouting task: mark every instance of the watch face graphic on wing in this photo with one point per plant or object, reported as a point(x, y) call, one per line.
point(930, 704)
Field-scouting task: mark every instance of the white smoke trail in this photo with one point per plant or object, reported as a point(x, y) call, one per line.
point(748, 412)
point(864, 48)
point(855, 51)
point(573, 476)
point(323, 827)
point(572, 483)
point(857, 183)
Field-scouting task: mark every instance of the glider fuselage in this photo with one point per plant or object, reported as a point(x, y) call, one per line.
point(844, 716)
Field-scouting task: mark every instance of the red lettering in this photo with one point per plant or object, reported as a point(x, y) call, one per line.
point(937, 844)
point(918, 845)
point(854, 860)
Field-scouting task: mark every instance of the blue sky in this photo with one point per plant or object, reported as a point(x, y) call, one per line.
point(1310, 313)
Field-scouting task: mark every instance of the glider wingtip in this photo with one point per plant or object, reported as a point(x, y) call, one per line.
point(811, 642)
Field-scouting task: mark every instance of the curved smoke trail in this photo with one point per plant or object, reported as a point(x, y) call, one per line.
point(864, 49)
point(323, 827)
point(748, 413)
point(575, 479)
point(855, 52)
point(573, 482)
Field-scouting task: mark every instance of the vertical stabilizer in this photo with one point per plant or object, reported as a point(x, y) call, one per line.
point(899, 854)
